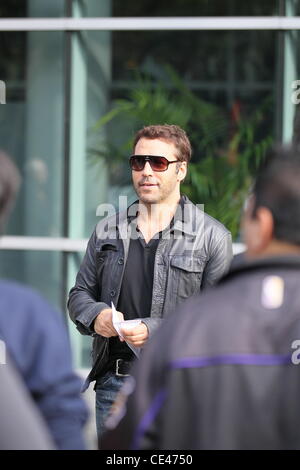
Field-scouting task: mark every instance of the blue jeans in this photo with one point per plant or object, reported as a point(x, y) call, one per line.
point(106, 389)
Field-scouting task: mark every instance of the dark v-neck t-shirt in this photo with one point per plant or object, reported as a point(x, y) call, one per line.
point(136, 291)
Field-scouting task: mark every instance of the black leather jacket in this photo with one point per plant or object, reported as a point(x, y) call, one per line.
point(194, 253)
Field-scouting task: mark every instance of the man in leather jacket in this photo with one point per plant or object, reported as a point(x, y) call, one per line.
point(226, 374)
point(146, 260)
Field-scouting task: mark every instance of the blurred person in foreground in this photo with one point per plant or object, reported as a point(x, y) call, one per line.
point(146, 259)
point(37, 343)
point(22, 425)
point(227, 375)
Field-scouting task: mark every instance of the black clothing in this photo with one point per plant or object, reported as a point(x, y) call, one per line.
point(136, 291)
point(227, 374)
point(194, 253)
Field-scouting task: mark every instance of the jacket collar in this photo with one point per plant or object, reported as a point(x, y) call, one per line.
point(241, 265)
point(184, 218)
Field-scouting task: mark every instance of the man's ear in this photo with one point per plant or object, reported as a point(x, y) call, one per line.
point(182, 171)
point(266, 226)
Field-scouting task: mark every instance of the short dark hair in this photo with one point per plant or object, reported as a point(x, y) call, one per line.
point(277, 187)
point(9, 186)
point(169, 133)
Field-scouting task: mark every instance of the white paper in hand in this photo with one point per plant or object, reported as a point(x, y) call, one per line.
point(124, 324)
point(115, 320)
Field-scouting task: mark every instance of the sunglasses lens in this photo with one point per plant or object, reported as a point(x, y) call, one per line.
point(137, 162)
point(158, 163)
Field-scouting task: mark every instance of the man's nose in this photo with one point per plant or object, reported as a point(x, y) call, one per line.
point(147, 169)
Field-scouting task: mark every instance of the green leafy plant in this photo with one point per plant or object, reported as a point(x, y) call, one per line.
point(221, 181)
point(226, 152)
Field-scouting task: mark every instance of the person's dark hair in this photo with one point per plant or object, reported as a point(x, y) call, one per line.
point(169, 133)
point(277, 187)
point(9, 186)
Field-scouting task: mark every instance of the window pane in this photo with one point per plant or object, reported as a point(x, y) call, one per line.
point(296, 86)
point(38, 269)
point(221, 56)
point(151, 8)
point(32, 127)
point(223, 87)
point(195, 8)
point(31, 9)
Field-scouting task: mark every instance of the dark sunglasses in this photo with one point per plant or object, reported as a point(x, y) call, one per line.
point(138, 162)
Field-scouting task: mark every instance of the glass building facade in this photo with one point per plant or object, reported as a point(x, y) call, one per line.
point(62, 79)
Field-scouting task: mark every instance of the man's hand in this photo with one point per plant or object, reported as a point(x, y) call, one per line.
point(136, 336)
point(103, 323)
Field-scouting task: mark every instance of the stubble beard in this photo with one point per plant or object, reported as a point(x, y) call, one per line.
point(148, 199)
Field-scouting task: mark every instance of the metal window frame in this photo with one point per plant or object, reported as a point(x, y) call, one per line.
point(62, 244)
point(215, 23)
point(204, 23)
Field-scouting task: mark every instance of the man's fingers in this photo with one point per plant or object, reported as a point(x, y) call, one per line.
point(136, 336)
point(108, 332)
point(137, 343)
point(133, 338)
point(140, 330)
point(103, 324)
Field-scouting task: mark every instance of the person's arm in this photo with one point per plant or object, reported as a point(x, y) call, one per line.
point(219, 261)
point(82, 304)
point(152, 324)
point(37, 340)
point(58, 389)
point(22, 425)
